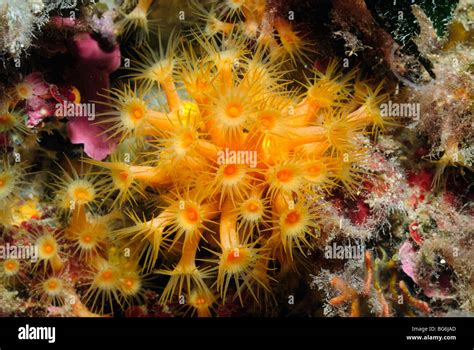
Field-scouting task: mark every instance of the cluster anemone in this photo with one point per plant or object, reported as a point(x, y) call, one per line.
point(231, 155)
point(222, 166)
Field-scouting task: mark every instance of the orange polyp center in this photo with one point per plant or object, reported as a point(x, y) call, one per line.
point(234, 111)
point(123, 175)
point(137, 113)
point(48, 248)
point(200, 301)
point(284, 175)
point(4, 118)
point(314, 169)
point(187, 139)
point(290, 38)
point(192, 214)
point(107, 275)
point(87, 238)
point(292, 217)
point(52, 285)
point(267, 121)
point(2, 183)
point(81, 193)
point(252, 207)
point(129, 283)
point(230, 169)
point(235, 255)
point(10, 265)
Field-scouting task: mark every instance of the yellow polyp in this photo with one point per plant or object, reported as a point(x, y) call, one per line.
point(228, 234)
point(24, 90)
point(57, 263)
point(11, 121)
point(136, 22)
point(188, 253)
point(131, 284)
point(151, 175)
point(159, 121)
point(143, 5)
point(11, 267)
point(171, 93)
point(304, 135)
point(78, 217)
point(253, 207)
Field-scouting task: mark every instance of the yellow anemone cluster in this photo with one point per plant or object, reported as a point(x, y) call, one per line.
point(240, 158)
